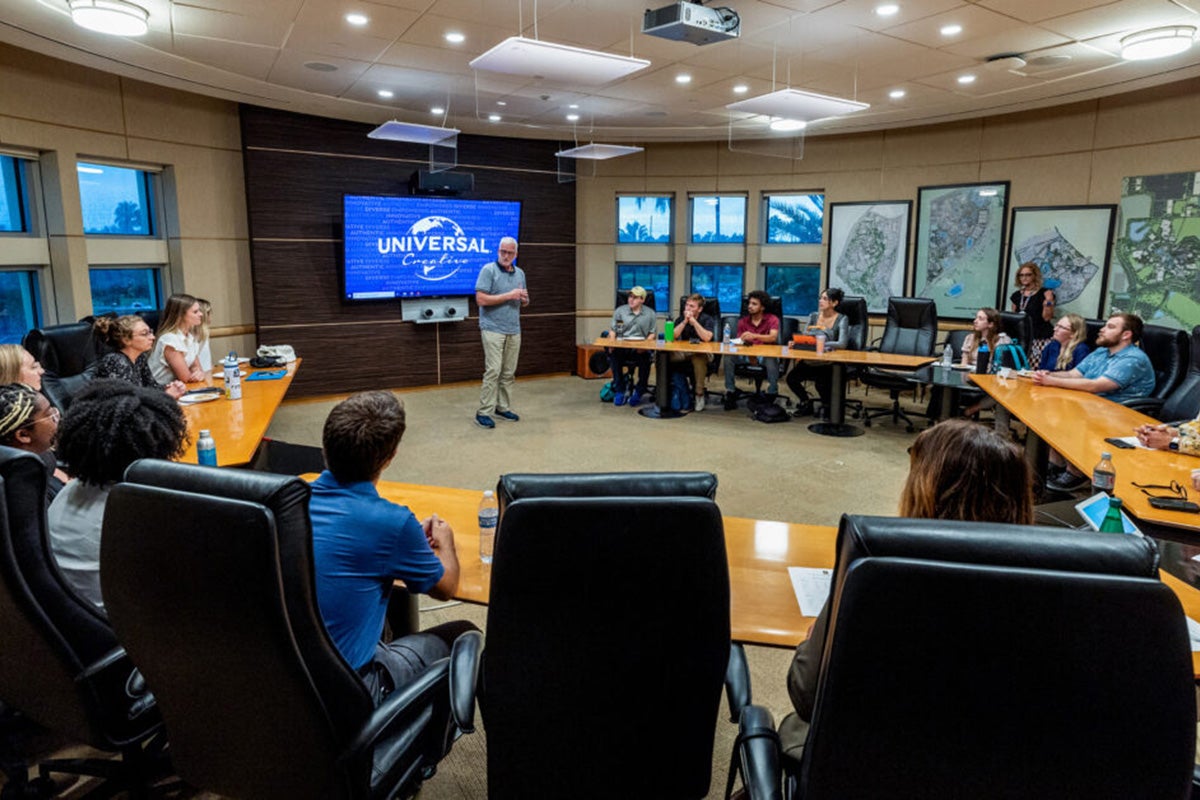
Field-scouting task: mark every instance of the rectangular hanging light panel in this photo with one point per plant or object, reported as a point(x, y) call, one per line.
point(797, 104)
point(534, 58)
point(398, 131)
point(599, 152)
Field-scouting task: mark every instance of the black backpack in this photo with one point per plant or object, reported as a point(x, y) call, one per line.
point(765, 410)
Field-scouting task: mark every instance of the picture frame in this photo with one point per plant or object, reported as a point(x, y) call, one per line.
point(958, 250)
point(1072, 245)
point(868, 249)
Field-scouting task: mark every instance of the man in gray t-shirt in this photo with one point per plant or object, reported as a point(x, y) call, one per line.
point(500, 293)
point(634, 320)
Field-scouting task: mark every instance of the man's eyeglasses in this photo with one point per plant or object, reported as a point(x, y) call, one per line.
point(1024, 274)
point(1174, 487)
point(146, 332)
point(508, 252)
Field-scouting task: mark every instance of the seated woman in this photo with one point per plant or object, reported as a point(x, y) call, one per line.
point(1067, 348)
point(17, 365)
point(131, 340)
point(109, 425)
point(203, 335)
point(177, 352)
point(828, 320)
point(957, 470)
point(985, 329)
point(29, 422)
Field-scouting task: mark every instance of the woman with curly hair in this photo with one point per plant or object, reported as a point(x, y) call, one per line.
point(131, 340)
point(109, 425)
point(28, 422)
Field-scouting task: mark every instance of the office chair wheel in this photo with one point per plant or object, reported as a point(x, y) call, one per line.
point(909, 428)
point(867, 422)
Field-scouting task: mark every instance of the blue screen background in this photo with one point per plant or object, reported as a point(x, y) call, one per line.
point(421, 246)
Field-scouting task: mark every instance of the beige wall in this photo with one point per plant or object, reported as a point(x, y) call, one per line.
point(64, 111)
point(1073, 154)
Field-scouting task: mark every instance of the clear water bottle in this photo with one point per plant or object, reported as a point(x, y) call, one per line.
point(947, 357)
point(489, 516)
point(1104, 474)
point(725, 338)
point(233, 377)
point(206, 449)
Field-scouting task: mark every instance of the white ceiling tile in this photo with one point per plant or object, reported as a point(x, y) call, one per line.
point(1123, 16)
point(252, 61)
point(230, 26)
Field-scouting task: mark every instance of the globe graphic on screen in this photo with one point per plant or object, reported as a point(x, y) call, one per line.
point(431, 268)
point(435, 226)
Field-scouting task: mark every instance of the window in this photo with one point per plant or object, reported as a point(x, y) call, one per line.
point(718, 218)
point(116, 201)
point(19, 305)
point(644, 219)
point(794, 218)
point(13, 217)
point(798, 284)
point(125, 290)
point(655, 277)
point(723, 282)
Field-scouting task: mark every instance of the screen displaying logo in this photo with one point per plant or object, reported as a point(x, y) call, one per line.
point(419, 246)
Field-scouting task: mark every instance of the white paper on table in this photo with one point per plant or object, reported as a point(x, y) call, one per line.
point(1194, 634)
point(811, 585)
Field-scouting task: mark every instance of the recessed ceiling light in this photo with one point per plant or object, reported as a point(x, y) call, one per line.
point(115, 17)
point(896, 94)
point(951, 30)
point(573, 105)
point(501, 103)
point(454, 37)
point(887, 10)
point(965, 79)
point(1157, 42)
point(493, 117)
point(437, 110)
point(683, 78)
point(386, 94)
point(741, 88)
point(357, 19)
point(788, 125)
point(572, 117)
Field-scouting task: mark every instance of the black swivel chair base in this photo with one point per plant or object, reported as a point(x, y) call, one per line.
point(654, 412)
point(834, 429)
point(136, 773)
point(895, 412)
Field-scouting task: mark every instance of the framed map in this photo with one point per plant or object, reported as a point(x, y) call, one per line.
point(868, 249)
point(1071, 245)
point(1156, 257)
point(960, 246)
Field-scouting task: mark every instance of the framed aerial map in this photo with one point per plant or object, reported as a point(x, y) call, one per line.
point(868, 249)
point(1156, 256)
point(1071, 245)
point(959, 252)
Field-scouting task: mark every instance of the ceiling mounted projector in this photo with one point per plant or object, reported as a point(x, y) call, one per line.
point(692, 22)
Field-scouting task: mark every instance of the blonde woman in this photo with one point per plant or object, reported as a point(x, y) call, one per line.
point(17, 365)
point(177, 352)
point(203, 335)
point(1067, 348)
point(1036, 302)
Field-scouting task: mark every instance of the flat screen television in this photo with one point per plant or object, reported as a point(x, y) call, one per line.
point(420, 246)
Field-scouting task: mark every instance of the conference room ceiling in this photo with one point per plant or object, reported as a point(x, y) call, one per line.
point(264, 51)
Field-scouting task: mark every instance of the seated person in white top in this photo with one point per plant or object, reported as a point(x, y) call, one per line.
point(632, 320)
point(109, 425)
point(203, 335)
point(176, 354)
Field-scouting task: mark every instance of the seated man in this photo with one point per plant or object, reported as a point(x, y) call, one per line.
point(362, 543)
point(632, 320)
point(757, 327)
point(694, 324)
point(1117, 370)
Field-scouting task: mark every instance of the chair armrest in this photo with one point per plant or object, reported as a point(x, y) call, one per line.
point(1146, 405)
point(757, 756)
point(737, 681)
point(464, 677)
point(402, 706)
point(118, 695)
point(875, 343)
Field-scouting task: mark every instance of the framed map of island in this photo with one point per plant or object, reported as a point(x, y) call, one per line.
point(868, 249)
point(1071, 246)
point(959, 246)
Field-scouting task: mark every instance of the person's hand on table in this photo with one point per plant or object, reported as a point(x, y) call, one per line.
point(197, 375)
point(176, 389)
point(1196, 479)
point(439, 533)
point(1156, 437)
point(1039, 377)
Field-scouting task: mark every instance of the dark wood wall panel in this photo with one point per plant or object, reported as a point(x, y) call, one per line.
point(297, 168)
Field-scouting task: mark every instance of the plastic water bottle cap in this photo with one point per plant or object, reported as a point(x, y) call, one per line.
point(489, 493)
point(204, 432)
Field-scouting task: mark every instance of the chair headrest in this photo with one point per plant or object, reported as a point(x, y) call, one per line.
point(519, 486)
point(277, 492)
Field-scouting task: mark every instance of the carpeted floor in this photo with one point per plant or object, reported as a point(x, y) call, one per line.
point(772, 472)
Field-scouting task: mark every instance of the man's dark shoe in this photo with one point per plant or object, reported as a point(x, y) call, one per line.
point(484, 421)
point(730, 401)
point(508, 415)
point(1066, 482)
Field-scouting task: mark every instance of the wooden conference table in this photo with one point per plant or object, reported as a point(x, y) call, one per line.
point(762, 604)
point(237, 426)
point(836, 359)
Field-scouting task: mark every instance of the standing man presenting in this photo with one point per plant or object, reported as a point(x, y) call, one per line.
point(500, 293)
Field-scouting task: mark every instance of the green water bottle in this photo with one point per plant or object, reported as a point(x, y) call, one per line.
point(669, 331)
point(1112, 522)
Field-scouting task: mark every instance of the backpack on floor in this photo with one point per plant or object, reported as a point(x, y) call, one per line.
point(681, 398)
point(765, 410)
point(607, 393)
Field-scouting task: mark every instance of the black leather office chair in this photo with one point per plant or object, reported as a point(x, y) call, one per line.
point(1018, 326)
point(593, 694)
point(1168, 349)
point(623, 298)
point(858, 329)
point(68, 353)
point(151, 317)
point(758, 372)
point(221, 615)
point(1093, 330)
point(1025, 662)
point(61, 663)
point(911, 329)
point(1183, 404)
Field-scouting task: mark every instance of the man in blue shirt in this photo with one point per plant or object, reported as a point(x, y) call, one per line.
point(500, 293)
point(1116, 370)
point(362, 543)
